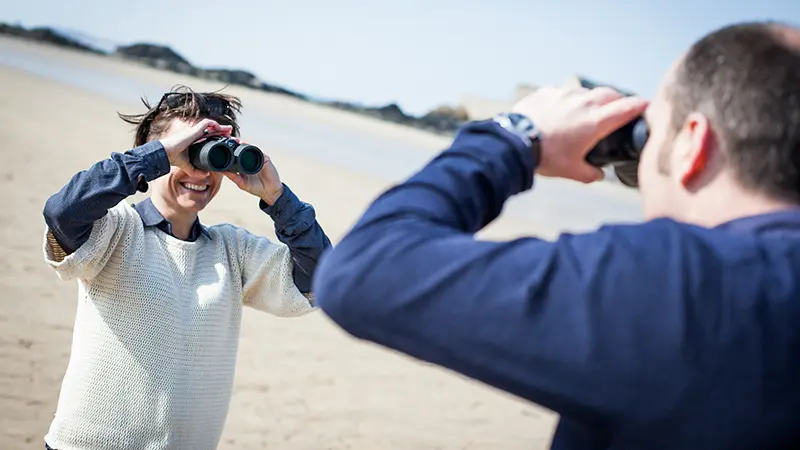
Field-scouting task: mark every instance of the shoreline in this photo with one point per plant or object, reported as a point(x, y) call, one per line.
point(443, 120)
point(287, 104)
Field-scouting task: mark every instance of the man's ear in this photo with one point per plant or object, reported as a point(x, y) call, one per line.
point(696, 149)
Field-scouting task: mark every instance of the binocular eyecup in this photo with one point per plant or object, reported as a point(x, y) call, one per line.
point(621, 150)
point(224, 154)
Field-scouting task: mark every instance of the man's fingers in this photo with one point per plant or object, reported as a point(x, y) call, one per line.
point(615, 114)
point(602, 95)
point(591, 174)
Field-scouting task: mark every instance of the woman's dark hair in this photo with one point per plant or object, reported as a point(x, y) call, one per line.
point(183, 103)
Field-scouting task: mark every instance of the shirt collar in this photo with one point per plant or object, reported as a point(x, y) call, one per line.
point(785, 222)
point(151, 217)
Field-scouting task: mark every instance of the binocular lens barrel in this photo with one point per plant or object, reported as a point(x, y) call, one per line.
point(624, 144)
point(621, 150)
point(225, 154)
point(249, 159)
point(641, 133)
point(211, 155)
point(627, 173)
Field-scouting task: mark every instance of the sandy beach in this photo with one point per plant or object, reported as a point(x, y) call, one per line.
point(300, 383)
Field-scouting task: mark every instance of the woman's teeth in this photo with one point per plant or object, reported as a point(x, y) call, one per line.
point(195, 187)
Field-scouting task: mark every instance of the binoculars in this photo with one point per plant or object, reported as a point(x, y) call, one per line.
point(225, 154)
point(621, 150)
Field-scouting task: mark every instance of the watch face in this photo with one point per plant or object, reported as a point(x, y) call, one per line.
point(522, 127)
point(519, 125)
point(521, 122)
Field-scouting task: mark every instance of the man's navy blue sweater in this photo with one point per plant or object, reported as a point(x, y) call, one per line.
point(658, 335)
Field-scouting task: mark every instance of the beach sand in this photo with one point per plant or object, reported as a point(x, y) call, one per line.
point(300, 383)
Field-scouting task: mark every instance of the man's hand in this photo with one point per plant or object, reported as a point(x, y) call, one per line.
point(571, 122)
point(266, 184)
point(176, 144)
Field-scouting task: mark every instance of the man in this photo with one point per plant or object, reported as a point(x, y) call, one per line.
point(160, 295)
point(678, 333)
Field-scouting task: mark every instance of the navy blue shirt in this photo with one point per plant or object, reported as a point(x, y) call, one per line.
point(89, 195)
point(659, 335)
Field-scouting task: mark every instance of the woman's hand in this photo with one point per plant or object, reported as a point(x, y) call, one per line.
point(266, 184)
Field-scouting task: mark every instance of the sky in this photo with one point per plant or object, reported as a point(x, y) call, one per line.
point(417, 53)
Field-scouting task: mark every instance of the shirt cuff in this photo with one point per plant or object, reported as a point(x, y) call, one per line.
point(153, 159)
point(527, 155)
point(285, 209)
point(149, 162)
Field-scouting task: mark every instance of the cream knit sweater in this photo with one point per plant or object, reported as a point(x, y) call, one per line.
point(156, 331)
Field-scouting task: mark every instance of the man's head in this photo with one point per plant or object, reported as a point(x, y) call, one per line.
point(184, 192)
point(725, 125)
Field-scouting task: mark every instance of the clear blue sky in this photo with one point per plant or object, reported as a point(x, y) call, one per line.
point(418, 53)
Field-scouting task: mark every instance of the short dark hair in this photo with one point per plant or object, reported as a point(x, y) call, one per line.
point(184, 103)
point(746, 79)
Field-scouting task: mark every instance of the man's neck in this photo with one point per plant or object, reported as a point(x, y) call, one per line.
point(180, 221)
point(736, 203)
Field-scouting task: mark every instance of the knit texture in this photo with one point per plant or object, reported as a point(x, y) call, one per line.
point(156, 331)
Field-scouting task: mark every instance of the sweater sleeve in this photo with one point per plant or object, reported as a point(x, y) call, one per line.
point(85, 263)
point(267, 277)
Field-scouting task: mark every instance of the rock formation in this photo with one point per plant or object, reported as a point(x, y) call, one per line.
point(47, 35)
point(165, 58)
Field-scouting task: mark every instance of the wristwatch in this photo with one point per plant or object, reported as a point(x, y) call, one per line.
point(523, 128)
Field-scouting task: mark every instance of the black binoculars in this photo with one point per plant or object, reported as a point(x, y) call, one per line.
point(621, 150)
point(225, 154)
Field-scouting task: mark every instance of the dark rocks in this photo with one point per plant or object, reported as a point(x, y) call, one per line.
point(152, 51)
point(445, 118)
point(238, 77)
point(165, 58)
point(157, 56)
point(47, 35)
point(393, 113)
